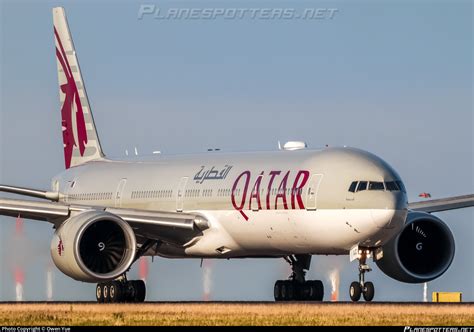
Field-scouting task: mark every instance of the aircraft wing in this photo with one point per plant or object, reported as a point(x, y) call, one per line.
point(171, 227)
point(442, 204)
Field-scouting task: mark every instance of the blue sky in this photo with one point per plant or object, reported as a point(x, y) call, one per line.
point(391, 77)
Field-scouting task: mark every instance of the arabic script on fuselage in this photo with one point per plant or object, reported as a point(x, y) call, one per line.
point(212, 173)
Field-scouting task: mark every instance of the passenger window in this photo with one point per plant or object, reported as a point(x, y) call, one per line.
point(376, 186)
point(392, 186)
point(353, 186)
point(362, 186)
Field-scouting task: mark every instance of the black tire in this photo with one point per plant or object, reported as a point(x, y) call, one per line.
point(99, 293)
point(286, 290)
point(305, 291)
point(291, 289)
point(140, 290)
point(316, 290)
point(318, 284)
point(277, 290)
point(311, 290)
point(369, 291)
point(355, 291)
point(115, 292)
point(105, 292)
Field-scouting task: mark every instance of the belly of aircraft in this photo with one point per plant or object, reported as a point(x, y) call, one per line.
point(283, 232)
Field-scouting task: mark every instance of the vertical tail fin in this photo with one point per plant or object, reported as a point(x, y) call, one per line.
point(80, 139)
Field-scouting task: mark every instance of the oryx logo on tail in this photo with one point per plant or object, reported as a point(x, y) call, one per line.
point(72, 114)
point(80, 139)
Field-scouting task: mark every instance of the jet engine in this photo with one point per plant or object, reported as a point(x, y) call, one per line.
point(421, 252)
point(93, 246)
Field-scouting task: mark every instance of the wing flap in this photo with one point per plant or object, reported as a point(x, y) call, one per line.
point(166, 219)
point(171, 227)
point(443, 204)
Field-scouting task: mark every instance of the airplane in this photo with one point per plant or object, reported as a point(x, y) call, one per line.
point(291, 203)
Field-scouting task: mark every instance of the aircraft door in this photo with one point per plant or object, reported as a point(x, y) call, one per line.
point(312, 191)
point(68, 188)
point(180, 194)
point(119, 192)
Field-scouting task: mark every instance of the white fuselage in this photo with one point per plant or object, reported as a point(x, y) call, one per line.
point(256, 204)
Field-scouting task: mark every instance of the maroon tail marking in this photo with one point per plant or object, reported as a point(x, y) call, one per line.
point(72, 96)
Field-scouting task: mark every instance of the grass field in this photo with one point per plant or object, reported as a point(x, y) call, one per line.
point(235, 314)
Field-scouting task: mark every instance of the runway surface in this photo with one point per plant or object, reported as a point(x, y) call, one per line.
point(256, 302)
point(237, 313)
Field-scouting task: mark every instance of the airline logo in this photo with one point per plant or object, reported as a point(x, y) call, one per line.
point(212, 174)
point(288, 199)
point(60, 247)
point(72, 115)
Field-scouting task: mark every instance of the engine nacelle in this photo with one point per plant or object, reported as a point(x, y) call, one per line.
point(93, 246)
point(421, 252)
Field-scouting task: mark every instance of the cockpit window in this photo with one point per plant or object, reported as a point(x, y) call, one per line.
point(401, 186)
point(392, 186)
point(362, 186)
point(353, 186)
point(376, 186)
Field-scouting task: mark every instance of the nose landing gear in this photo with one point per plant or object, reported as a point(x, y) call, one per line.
point(366, 289)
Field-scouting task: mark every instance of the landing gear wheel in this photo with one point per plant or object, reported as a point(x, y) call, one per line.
point(99, 293)
point(287, 290)
point(115, 292)
point(139, 290)
point(121, 290)
point(316, 290)
point(105, 292)
point(297, 288)
point(362, 288)
point(291, 289)
point(304, 292)
point(277, 290)
point(355, 291)
point(284, 291)
point(369, 291)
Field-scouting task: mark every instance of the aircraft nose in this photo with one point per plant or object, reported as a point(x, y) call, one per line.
point(392, 210)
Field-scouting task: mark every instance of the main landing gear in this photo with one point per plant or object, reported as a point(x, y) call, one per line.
point(121, 290)
point(297, 288)
point(362, 287)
